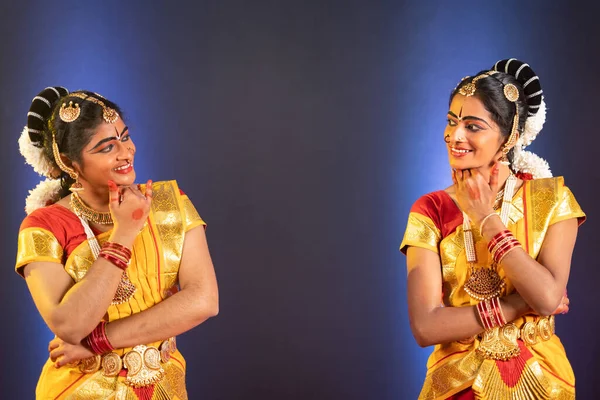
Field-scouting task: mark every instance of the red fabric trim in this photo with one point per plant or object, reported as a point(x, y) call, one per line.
point(178, 361)
point(557, 377)
point(441, 209)
point(144, 393)
point(68, 387)
point(449, 355)
point(181, 192)
point(61, 222)
point(512, 370)
point(466, 394)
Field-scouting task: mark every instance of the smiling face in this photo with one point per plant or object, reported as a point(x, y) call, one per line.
point(472, 137)
point(108, 156)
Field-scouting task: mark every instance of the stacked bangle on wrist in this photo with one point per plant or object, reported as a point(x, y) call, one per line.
point(490, 313)
point(116, 253)
point(98, 341)
point(502, 244)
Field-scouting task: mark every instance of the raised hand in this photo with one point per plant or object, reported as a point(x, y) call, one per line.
point(474, 194)
point(129, 208)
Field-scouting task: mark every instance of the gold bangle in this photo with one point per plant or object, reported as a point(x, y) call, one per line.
point(483, 221)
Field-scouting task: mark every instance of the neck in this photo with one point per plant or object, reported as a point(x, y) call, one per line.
point(503, 173)
point(95, 198)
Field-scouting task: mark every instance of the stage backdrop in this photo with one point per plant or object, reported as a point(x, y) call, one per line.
point(303, 131)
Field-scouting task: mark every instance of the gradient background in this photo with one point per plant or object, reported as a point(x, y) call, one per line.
point(303, 131)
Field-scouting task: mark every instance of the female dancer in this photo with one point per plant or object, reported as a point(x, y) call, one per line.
point(489, 257)
point(116, 269)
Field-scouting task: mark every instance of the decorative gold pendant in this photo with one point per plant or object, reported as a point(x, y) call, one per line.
point(125, 290)
point(111, 364)
point(91, 364)
point(484, 283)
point(143, 366)
point(500, 343)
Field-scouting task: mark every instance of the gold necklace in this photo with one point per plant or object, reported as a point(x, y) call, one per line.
point(82, 210)
point(485, 283)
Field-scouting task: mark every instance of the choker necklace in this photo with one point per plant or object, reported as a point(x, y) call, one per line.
point(485, 283)
point(82, 210)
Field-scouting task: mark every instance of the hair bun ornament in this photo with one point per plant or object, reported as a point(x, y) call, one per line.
point(536, 107)
point(31, 141)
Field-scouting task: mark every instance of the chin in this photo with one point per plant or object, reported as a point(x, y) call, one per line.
point(124, 180)
point(463, 164)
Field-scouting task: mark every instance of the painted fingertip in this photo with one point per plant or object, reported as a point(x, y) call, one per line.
point(112, 185)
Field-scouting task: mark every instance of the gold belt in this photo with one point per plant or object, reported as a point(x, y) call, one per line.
point(501, 343)
point(142, 363)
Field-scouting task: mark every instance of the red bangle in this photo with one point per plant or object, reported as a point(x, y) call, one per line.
point(118, 247)
point(503, 250)
point(115, 254)
point(483, 316)
point(497, 238)
point(498, 311)
point(114, 260)
point(492, 314)
point(98, 341)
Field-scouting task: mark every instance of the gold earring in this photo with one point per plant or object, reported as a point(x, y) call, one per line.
point(76, 187)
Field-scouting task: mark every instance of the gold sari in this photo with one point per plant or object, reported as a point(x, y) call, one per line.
point(544, 372)
point(153, 271)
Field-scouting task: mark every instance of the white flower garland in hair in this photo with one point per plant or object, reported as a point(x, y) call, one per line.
point(36, 157)
point(44, 194)
point(533, 126)
point(530, 163)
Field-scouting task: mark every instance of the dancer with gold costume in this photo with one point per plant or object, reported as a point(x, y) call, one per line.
point(116, 269)
point(489, 257)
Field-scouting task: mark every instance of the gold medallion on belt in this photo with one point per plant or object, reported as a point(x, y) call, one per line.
point(501, 343)
point(143, 363)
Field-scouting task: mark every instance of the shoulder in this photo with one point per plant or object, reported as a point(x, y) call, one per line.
point(548, 189)
point(47, 217)
point(432, 205)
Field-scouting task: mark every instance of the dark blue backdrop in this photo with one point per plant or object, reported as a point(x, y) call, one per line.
point(303, 131)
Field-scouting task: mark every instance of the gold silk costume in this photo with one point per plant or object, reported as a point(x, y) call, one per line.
point(153, 270)
point(542, 371)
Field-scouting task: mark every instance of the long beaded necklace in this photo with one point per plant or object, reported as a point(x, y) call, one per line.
point(485, 283)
